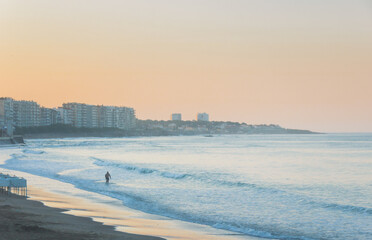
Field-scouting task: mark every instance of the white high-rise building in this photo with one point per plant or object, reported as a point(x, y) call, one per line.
point(202, 117)
point(77, 114)
point(92, 116)
point(64, 116)
point(107, 116)
point(29, 114)
point(48, 116)
point(26, 113)
point(124, 118)
point(6, 116)
point(176, 117)
point(22, 113)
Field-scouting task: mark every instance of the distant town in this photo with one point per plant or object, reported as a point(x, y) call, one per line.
point(30, 119)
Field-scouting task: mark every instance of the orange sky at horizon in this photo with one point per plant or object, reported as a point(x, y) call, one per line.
point(298, 64)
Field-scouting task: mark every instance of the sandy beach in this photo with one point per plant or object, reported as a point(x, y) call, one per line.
point(57, 210)
point(27, 219)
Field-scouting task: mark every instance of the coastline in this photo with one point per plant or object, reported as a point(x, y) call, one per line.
point(101, 212)
point(21, 218)
point(151, 128)
point(87, 135)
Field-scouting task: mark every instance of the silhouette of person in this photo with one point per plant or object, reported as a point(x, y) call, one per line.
point(107, 176)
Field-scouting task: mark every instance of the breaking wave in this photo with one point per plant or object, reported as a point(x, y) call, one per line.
point(141, 170)
point(30, 151)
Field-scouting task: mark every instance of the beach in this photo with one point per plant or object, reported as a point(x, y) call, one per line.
point(54, 207)
point(21, 218)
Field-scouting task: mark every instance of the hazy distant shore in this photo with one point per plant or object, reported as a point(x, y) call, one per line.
point(26, 219)
point(79, 135)
point(157, 128)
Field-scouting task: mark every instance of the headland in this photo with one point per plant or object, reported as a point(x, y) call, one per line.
point(157, 128)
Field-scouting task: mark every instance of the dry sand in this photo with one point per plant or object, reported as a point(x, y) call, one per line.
point(26, 219)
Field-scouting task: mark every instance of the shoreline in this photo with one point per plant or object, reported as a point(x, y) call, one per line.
point(151, 128)
point(21, 218)
point(67, 136)
point(99, 209)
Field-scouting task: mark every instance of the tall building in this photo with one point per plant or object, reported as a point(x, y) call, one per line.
point(92, 116)
point(176, 117)
point(6, 116)
point(64, 116)
point(202, 117)
point(48, 116)
point(124, 118)
point(26, 113)
point(106, 116)
point(77, 114)
point(29, 114)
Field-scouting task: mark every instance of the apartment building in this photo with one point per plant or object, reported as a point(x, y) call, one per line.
point(29, 114)
point(48, 116)
point(124, 118)
point(202, 117)
point(176, 117)
point(64, 116)
point(92, 116)
point(106, 116)
point(26, 113)
point(22, 113)
point(6, 115)
point(77, 114)
point(6, 111)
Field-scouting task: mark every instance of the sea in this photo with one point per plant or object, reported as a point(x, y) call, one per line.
point(311, 186)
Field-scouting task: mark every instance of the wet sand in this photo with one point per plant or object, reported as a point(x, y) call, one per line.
point(112, 212)
point(26, 219)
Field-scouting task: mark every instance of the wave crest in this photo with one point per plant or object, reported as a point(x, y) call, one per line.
point(141, 170)
point(29, 151)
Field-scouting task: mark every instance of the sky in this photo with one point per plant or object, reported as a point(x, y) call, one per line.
point(296, 63)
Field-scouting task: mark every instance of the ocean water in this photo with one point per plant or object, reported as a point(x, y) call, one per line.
point(270, 186)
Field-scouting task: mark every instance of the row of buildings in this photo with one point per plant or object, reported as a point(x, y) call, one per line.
point(199, 117)
point(15, 113)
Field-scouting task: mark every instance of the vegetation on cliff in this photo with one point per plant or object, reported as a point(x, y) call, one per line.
point(156, 128)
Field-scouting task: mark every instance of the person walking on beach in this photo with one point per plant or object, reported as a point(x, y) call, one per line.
point(107, 176)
